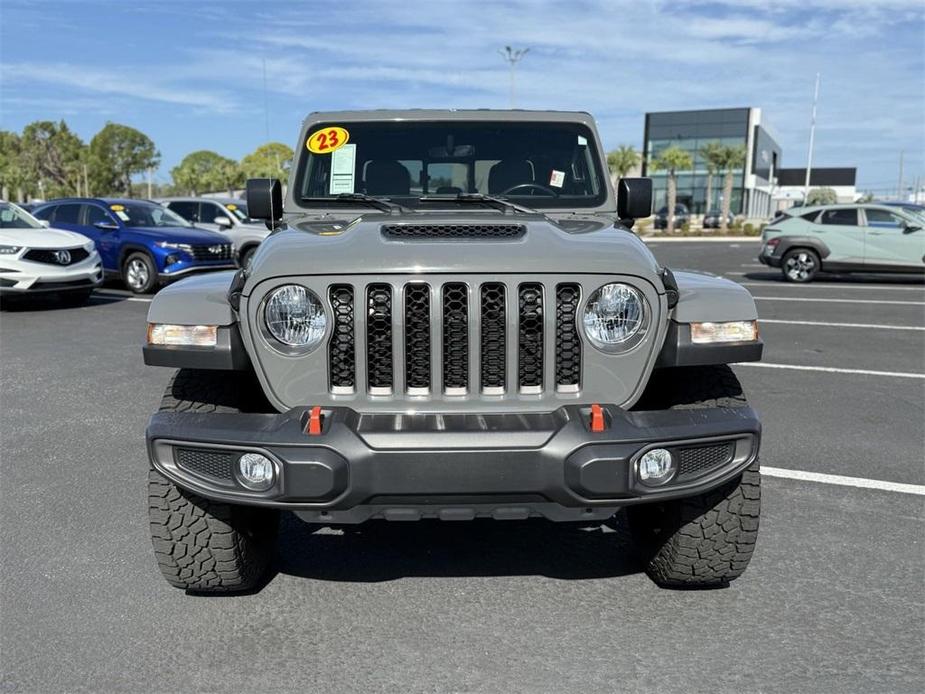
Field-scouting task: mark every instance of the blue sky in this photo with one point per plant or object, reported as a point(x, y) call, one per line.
point(189, 74)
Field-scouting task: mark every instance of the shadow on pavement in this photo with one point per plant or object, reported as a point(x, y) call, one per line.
point(383, 551)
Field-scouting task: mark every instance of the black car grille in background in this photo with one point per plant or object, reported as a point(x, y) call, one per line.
point(530, 336)
point(493, 336)
point(417, 336)
point(699, 460)
point(46, 255)
point(379, 336)
point(455, 336)
point(441, 325)
point(453, 231)
point(342, 351)
point(214, 464)
point(568, 344)
point(223, 252)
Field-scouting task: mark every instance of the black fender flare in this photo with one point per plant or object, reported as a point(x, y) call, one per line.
point(789, 242)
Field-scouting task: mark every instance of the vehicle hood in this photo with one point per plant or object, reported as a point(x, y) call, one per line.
point(579, 245)
point(192, 235)
point(42, 238)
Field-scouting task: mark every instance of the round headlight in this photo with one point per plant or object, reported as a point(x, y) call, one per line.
point(615, 317)
point(295, 317)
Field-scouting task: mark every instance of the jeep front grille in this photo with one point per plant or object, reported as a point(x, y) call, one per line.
point(455, 338)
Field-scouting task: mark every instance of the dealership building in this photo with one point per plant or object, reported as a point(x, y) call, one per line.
point(752, 187)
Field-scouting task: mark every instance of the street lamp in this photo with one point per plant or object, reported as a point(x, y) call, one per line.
point(513, 56)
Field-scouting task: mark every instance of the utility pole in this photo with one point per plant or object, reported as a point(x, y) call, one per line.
point(266, 109)
point(812, 137)
point(899, 186)
point(513, 56)
point(150, 173)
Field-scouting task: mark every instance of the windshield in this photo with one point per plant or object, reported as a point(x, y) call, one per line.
point(239, 210)
point(142, 214)
point(13, 217)
point(917, 213)
point(537, 164)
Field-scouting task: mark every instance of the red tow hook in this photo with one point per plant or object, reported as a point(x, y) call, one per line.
point(597, 419)
point(314, 422)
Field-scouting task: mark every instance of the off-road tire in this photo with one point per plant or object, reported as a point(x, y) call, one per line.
point(203, 545)
point(246, 255)
point(705, 540)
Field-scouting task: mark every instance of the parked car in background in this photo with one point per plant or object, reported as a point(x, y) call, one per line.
point(870, 237)
point(714, 220)
point(30, 207)
point(912, 208)
point(682, 216)
point(141, 242)
point(35, 259)
point(225, 215)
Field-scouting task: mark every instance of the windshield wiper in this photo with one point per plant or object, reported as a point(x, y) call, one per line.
point(383, 204)
point(502, 204)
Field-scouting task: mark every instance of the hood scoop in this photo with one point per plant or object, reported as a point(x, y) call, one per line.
point(417, 231)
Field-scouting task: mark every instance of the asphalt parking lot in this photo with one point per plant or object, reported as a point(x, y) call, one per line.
point(832, 602)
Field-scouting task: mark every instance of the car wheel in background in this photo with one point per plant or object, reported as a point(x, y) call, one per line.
point(800, 265)
point(246, 256)
point(139, 273)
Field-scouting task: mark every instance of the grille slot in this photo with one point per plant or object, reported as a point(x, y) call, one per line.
point(214, 464)
point(45, 255)
point(530, 337)
point(568, 344)
point(699, 460)
point(417, 338)
point(493, 337)
point(455, 337)
point(379, 338)
point(453, 231)
point(342, 354)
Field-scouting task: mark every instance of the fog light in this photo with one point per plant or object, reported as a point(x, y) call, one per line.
point(256, 472)
point(656, 467)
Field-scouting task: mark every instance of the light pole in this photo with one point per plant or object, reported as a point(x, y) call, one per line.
point(513, 56)
point(812, 136)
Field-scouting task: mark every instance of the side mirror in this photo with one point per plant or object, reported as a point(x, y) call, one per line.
point(909, 228)
point(45, 223)
point(223, 221)
point(265, 199)
point(634, 198)
point(106, 226)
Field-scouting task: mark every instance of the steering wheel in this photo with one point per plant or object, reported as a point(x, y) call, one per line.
point(532, 186)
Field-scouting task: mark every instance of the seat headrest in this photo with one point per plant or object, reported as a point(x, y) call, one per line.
point(508, 173)
point(385, 177)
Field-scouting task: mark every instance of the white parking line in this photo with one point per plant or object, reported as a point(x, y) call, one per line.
point(831, 285)
point(841, 325)
point(753, 265)
point(832, 369)
point(843, 481)
point(838, 301)
point(104, 295)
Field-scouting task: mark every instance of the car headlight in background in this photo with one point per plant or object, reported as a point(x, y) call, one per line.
point(294, 317)
point(732, 331)
point(178, 246)
point(615, 317)
point(182, 335)
point(10, 250)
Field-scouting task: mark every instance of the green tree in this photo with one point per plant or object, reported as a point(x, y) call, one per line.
point(672, 160)
point(117, 152)
point(711, 153)
point(271, 160)
point(729, 159)
point(205, 171)
point(621, 161)
point(52, 156)
point(821, 196)
point(13, 176)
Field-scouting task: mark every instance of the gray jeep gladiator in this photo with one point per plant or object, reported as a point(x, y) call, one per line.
point(452, 319)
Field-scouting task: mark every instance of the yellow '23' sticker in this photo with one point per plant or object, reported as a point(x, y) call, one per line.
point(327, 140)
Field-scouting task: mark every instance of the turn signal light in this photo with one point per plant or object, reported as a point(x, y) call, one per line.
point(182, 335)
point(733, 331)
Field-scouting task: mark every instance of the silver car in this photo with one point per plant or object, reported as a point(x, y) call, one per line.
point(225, 215)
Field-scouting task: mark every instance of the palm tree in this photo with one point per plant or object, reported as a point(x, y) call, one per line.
point(621, 161)
point(710, 153)
point(729, 159)
point(672, 160)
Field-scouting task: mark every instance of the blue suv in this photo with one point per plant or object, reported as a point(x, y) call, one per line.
point(141, 242)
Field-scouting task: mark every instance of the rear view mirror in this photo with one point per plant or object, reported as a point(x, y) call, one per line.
point(265, 199)
point(634, 198)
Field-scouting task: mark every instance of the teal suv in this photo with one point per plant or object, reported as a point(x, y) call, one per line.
point(804, 241)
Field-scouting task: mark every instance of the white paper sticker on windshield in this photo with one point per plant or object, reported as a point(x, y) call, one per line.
point(556, 178)
point(122, 214)
point(343, 165)
point(582, 141)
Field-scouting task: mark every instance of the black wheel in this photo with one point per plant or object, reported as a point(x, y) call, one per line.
point(705, 540)
point(246, 256)
point(800, 265)
point(203, 545)
point(76, 297)
point(139, 273)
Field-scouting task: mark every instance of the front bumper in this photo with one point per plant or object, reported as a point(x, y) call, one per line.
point(33, 278)
point(411, 466)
